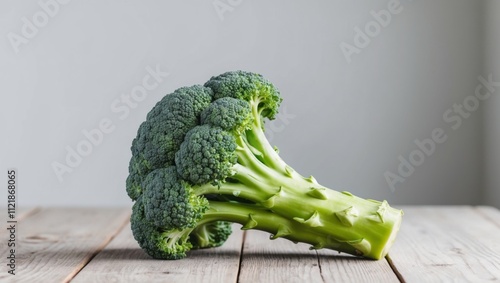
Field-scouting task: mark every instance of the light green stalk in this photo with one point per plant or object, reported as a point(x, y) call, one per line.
point(286, 204)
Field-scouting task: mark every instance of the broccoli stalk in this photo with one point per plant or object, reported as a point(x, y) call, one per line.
point(252, 217)
point(335, 220)
point(224, 170)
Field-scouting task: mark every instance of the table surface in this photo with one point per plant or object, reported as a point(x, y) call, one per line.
point(435, 244)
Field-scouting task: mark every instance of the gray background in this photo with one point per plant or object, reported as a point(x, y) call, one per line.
point(346, 123)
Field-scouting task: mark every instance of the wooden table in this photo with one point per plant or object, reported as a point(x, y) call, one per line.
point(435, 244)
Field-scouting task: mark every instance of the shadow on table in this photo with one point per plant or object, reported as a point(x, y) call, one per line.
point(204, 254)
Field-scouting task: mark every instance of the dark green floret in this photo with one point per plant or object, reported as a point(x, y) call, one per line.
point(161, 135)
point(201, 161)
point(157, 241)
point(169, 201)
point(228, 113)
point(206, 155)
point(250, 87)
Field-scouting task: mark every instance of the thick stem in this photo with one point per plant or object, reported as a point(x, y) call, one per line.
point(368, 227)
point(253, 194)
point(254, 217)
point(256, 137)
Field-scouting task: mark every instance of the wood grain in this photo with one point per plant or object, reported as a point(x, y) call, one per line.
point(54, 244)
point(277, 260)
point(489, 213)
point(21, 213)
point(337, 267)
point(447, 244)
point(124, 261)
point(435, 244)
point(280, 260)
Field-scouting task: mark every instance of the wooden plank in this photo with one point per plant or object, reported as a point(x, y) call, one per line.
point(54, 244)
point(489, 213)
point(279, 260)
point(444, 244)
point(21, 213)
point(124, 261)
point(337, 267)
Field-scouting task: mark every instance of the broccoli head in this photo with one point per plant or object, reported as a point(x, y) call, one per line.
point(201, 161)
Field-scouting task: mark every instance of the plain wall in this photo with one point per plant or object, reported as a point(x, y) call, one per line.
point(492, 113)
point(345, 123)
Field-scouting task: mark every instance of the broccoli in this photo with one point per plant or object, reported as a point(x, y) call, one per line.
point(201, 161)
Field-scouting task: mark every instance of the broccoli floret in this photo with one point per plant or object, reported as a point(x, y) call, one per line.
point(228, 113)
point(206, 155)
point(164, 130)
point(210, 235)
point(156, 241)
point(209, 164)
point(250, 87)
point(138, 168)
point(169, 201)
point(161, 135)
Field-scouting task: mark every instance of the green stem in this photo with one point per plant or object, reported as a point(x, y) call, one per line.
point(368, 227)
point(256, 137)
point(254, 217)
